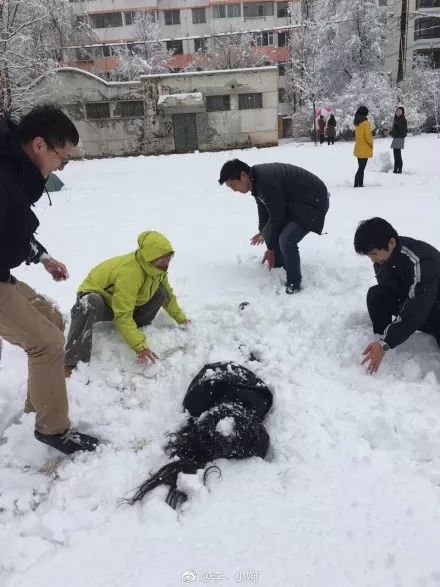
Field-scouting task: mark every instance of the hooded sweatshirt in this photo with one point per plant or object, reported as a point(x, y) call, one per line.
point(21, 186)
point(128, 281)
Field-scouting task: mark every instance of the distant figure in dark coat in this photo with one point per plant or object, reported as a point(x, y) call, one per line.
point(291, 203)
point(398, 131)
point(321, 129)
point(331, 129)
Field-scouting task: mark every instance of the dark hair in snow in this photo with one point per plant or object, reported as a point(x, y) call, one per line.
point(232, 169)
point(50, 123)
point(374, 233)
point(226, 431)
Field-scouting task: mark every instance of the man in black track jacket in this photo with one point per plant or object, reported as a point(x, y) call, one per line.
point(291, 203)
point(408, 287)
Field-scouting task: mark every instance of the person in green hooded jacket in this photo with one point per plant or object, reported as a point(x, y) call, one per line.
point(128, 290)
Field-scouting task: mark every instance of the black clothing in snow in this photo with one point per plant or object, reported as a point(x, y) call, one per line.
point(21, 185)
point(286, 193)
point(226, 382)
point(412, 274)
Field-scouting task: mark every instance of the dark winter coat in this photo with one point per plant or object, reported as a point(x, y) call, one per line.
point(287, 193)
point(413, 273)
point(227, 382)
point(21, 185)
point(321, 126)
point(399, 130)
point(331, 127)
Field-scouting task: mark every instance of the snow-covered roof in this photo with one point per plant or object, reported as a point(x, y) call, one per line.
point(213, 71)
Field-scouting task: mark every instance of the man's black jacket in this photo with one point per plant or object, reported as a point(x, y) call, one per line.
point(413, 274)
point(21, 185)
point(287, 193)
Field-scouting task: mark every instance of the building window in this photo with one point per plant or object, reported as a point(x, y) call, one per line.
point(199, 15)
point(218, 103)
point(129, 17)
point(172, 16)
point(200, 45)
point(105, 20)
point(226, 10)
point(283, 39)
point(131, 109)
point(427, 28)
point(433, 56)
point(427, 4)
point(282, 67)
point(282, 9)
point(257, 9)
point(98, 110)
point(264, 39)
point(282, 95)
point(250, 101)
point(175, 47)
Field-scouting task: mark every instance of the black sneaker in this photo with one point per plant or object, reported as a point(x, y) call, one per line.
point(69, 442)
point(292, 288)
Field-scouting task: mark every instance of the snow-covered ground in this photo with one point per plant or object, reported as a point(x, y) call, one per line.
point(350, 493)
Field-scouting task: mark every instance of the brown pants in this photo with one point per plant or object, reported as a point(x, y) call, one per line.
point(35, 325)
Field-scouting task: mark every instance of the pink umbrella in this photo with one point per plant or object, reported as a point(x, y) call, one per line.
point(325, 111)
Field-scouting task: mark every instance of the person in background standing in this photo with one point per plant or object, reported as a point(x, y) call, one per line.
point(399, 131)
point(321, 129)
point(331, 129)
point(363, 148)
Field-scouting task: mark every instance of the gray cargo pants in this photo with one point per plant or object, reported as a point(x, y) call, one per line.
point(91, 308)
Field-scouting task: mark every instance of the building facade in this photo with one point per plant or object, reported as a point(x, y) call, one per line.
point(415, 31)
point(184, 28)
point(170, 113)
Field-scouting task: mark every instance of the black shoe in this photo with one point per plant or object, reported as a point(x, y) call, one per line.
point(243, 305)
point(293, 288)
point(69, 442)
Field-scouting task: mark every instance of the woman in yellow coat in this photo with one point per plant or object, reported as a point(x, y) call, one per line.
point(363, 148)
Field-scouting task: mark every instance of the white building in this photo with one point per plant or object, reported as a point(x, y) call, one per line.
point(415, 31)
point(183, 30)
point(170, 113)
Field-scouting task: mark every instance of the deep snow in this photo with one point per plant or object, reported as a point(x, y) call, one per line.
point(350, 493)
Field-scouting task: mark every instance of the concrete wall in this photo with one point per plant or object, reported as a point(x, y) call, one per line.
point(153, 133)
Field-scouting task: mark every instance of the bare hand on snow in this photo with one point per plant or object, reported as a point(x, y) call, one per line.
point(373, 354)
point(146, 356)
point(269, 258)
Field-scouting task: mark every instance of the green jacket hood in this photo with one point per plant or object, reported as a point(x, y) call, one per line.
point(152, 245)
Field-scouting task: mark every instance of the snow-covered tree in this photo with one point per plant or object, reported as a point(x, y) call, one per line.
point(305, 72)
point(32, 34)
point(147, 55)
point(362, 31)
point(229, 52)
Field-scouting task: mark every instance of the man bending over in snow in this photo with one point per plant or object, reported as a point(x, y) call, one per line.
point(291, 203)
point(129, 290)
point(408, 276)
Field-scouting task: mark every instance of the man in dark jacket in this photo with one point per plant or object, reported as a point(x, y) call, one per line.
point(408, 287)
point(41, 143)
point(291, 203)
